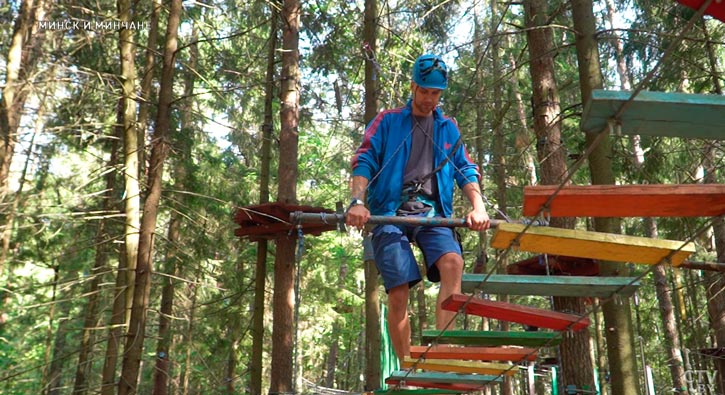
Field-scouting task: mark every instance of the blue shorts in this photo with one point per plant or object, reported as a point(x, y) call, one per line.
point(394, 256)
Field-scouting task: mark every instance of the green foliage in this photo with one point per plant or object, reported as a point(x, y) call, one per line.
point(60, 208)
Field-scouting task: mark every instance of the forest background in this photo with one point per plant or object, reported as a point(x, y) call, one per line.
point(133, 131)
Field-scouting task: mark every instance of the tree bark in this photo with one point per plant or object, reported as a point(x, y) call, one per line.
point(183, 143)
point(126, 265)
point(137, 325)
point(617, 317)
point(147, 89)
point(283, 375)
point(575, 357)
point(372, 302)
point(255, 385)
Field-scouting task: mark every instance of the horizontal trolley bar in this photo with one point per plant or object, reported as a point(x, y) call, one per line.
point(332, 218)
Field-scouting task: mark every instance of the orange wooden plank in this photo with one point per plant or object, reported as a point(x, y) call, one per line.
point(677, 200)
point(511, 312)
point(513, 354)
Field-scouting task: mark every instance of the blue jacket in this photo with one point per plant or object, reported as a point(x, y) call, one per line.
point(384, 152)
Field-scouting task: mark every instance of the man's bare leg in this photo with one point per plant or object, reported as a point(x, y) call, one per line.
point(450, 266)
point(398, 323)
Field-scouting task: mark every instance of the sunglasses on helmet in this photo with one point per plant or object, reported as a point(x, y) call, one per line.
point(434, 66)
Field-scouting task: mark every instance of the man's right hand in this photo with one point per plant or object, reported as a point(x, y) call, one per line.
point(357, 216)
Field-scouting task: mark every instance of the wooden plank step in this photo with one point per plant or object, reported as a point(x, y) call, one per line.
point(435, 388)
point(509, 284)
point(453, 366)
point(514, 354)
point(492, 338)
point(657, 114)
point(677, 200)
point(447, 378)
point(526, 315)
point(594, 245)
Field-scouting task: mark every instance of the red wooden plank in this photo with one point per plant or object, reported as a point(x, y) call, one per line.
point(540, 318)
point(425, 384)
point(513, 354)
point(677, 200)
point(716, 9)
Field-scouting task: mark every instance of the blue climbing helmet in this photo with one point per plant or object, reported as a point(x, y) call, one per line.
point(429, 71)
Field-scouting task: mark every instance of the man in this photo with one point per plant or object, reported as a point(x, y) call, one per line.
point(408, 162)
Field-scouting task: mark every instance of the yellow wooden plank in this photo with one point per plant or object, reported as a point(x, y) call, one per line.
point(594, 245)
point(453, 366)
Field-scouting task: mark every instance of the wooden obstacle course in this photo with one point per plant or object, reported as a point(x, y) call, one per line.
point(526, 315)
point(454, 366)
point(492, 338)
point(669, 114)
point(679, 200)
point(594, 245)
point(513, 354)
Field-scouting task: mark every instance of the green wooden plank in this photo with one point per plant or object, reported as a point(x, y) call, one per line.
point(658, 114)
point(441, 377)
point(492, 338)
point(515, 284)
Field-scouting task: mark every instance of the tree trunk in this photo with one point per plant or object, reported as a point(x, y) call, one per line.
point(283, 375)
point(183, 143)
point(20, 63)
point(127, 49)
point(185, 372)
point(100, 266)
point(372, 303)
point(617, 318)
point(715, 282)
point(137, 325)
point(255, 385)
point(372, 320)
point(147, 88)
point(499, 149)
point(669, 321)
point(125, 276)
point(575, 357)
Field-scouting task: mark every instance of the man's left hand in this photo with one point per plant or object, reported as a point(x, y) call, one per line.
point(478, 220)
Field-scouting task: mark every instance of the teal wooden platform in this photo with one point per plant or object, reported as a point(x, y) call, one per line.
point(658, 114)
point(493, 338)
point(451, 378)
point(507, 284)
